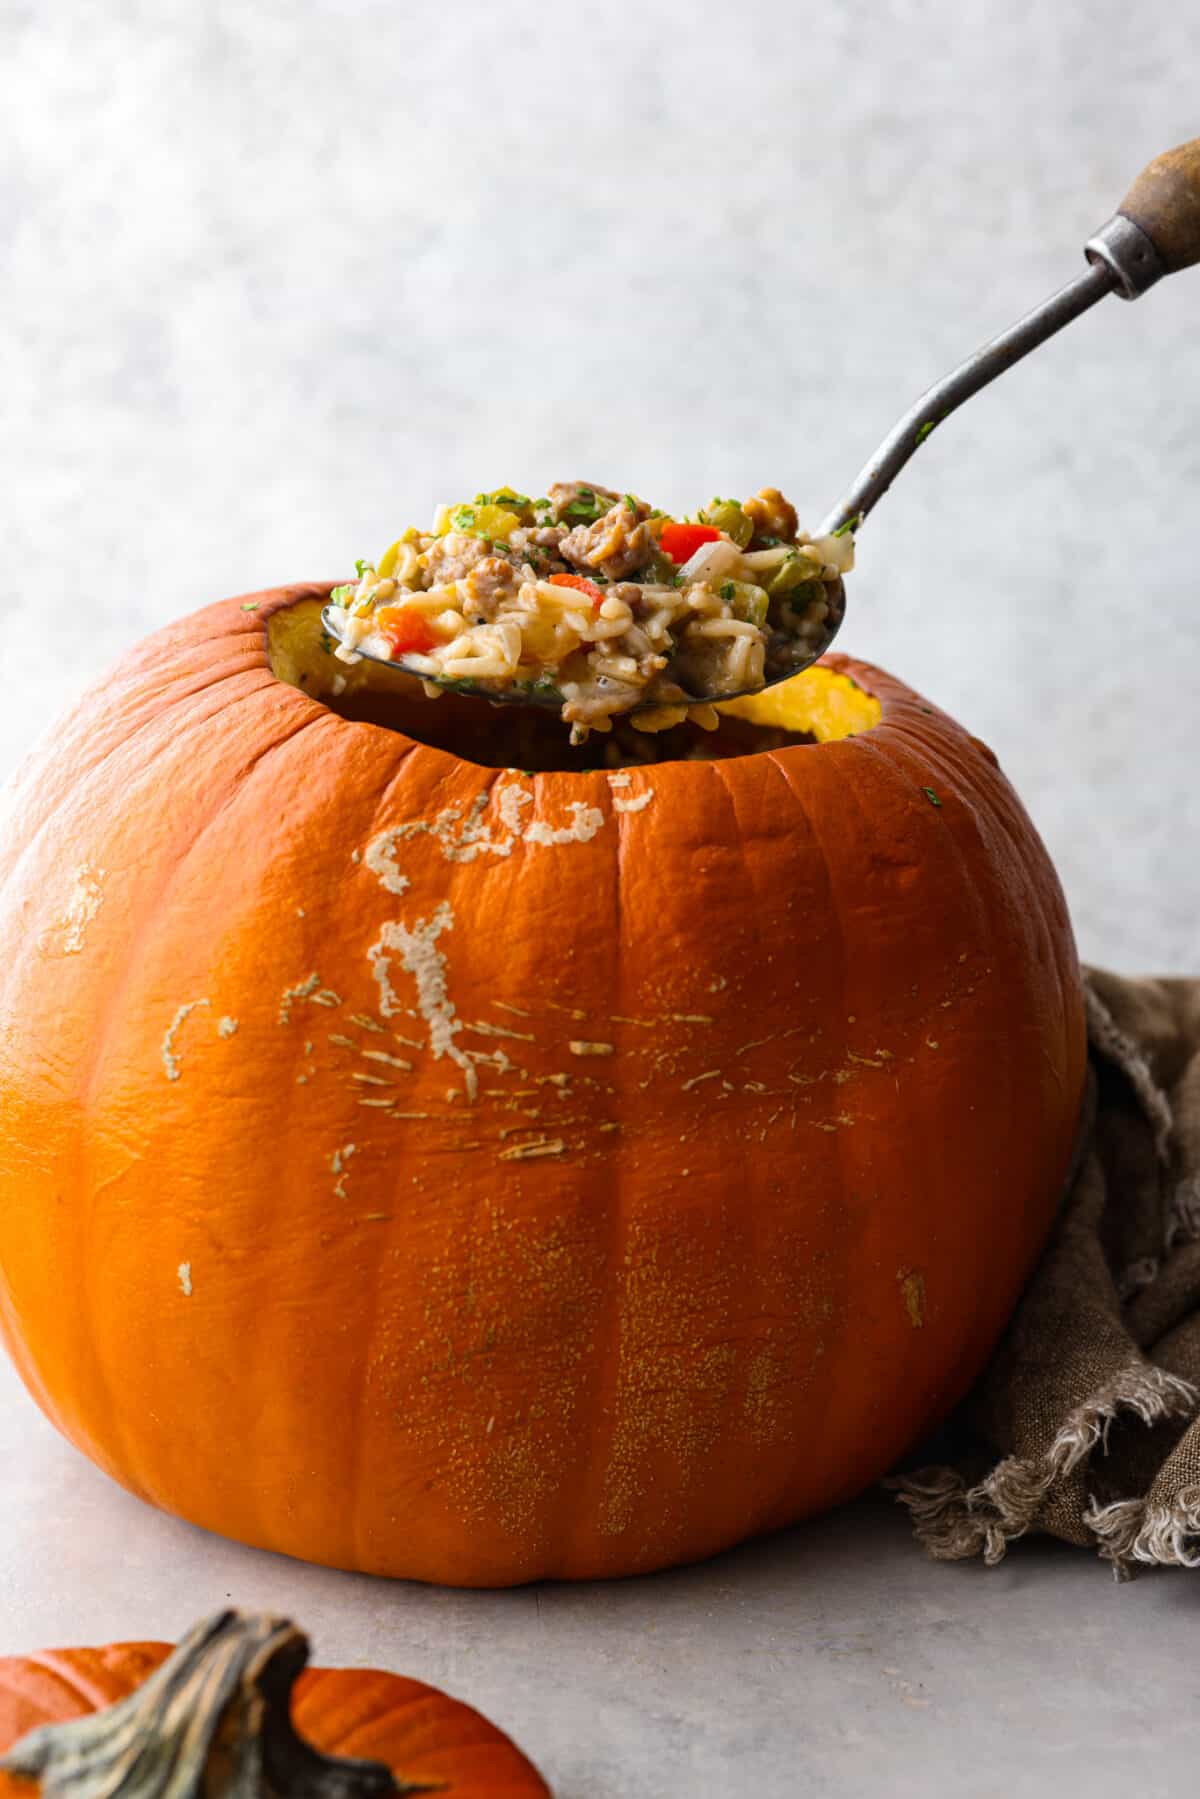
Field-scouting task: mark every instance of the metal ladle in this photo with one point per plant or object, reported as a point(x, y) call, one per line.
point(1154, 232)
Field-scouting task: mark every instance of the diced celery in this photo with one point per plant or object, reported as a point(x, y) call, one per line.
point(793, 572)
point(728, 516)
point(747, 602)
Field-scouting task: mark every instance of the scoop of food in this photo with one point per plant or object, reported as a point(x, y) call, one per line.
point(596, 604)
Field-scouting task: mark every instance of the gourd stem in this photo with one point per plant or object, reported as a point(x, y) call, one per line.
point(213, 1722)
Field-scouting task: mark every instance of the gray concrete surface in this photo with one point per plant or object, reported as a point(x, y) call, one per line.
point(829, 1661)
point(277, 278)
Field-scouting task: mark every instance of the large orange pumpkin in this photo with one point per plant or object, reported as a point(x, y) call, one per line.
point(226, 1707)
point(449, 1172)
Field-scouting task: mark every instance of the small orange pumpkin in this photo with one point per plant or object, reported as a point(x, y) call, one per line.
point(446, 1171)
point(219, 1714)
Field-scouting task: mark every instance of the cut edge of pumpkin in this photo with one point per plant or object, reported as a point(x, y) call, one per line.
point(821, 704)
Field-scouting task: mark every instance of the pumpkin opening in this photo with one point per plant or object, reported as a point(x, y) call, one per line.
point(819, 706)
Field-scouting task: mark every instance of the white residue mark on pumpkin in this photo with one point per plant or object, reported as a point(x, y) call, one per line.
point(708, 1075)
point(623, 802)
point(490, 1426)
point(409, 1115)
point(184, 1276)
point(340, 1157)
point(585, 822)
point(497, 1060)
point(341, 1041)
point(528, 1152)
point(381, 1055)
point(170, 1060)
point(409, 1042)
point(502, 1005)
point(83, 903)
point(366, 1022)
point(227, 1027)
point(688, 1018)
point(354, 856)
point(758, 1043)
point(302, 990)
point(912, 1291)
point(719, 985)
point(464, 837)
point(381, 860)
point(484, 1029)
point(370, 1080)
point(578, 1047)
point(299, 911)
point(308, 1047)
point(374, 1102)
point(326, 997)
point(511, 801)
point(421, 958)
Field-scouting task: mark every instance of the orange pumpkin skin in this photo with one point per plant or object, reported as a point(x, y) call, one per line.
point(317, 1230)
point(422, 1735)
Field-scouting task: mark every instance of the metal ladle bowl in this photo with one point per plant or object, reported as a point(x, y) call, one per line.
point(1154, 232)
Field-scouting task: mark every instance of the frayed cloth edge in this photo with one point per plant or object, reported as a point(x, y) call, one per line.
point(1158, 1535)
point(954, 1522)
point(1106, 1036)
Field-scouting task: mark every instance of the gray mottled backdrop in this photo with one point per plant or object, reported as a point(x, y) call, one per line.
point(277, 277)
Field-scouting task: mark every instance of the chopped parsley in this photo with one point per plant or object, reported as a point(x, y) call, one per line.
point(249, 605)
point(726, 590)
point(630, 502)
point(361, 567)
point(931, 796)
point(926, 428)
point(850, 527)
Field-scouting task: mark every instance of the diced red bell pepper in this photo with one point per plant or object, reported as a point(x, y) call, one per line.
point(680, 542)
point(404, 630)
point(583, 585)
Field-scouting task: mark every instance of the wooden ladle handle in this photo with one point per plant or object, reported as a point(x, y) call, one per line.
point(1164, 202)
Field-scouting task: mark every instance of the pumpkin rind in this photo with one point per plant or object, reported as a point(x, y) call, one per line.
point(766, 1075)
point(424, 1737)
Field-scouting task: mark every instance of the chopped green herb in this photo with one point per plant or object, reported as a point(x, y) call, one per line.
point(327, 643)
point(770, 543)
point(851, 525)
point(727, 590)
point(926, 428)
point(361, 567)
point(249, 605)
point(340, 596)
point(585, 508)
point(631, 503)
point(931, 796)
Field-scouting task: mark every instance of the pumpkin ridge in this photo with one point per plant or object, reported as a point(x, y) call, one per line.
point(148, 912)
point(806, 780)
point(47, 750)
point(149, 918)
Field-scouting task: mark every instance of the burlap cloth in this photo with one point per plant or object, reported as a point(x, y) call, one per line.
point(1086, 1423)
